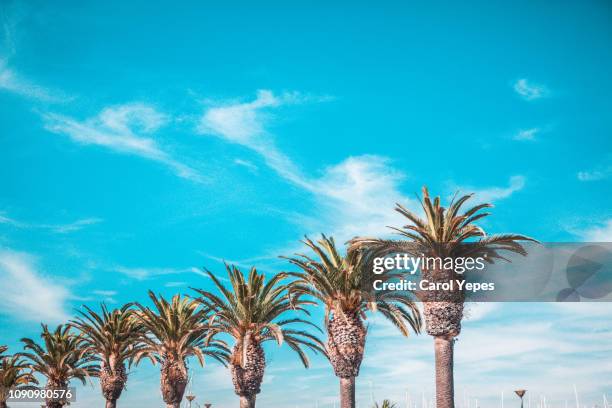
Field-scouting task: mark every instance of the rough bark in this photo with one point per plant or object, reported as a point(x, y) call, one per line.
point(113, 377)
point(173, 381)
point(55, 402)
point(347, 392)
point(443, 318)
point(247, 401)
point(248, 369)
point(443, 312)
point(346, 343)
point(3, 404)
point(445, 393)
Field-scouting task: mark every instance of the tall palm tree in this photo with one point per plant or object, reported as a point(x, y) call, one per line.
point(111, 336)
point(63, 357)
point(341, 284)
point(253, 311)
point(445, 232)
point(13, 373)
point(174, 331)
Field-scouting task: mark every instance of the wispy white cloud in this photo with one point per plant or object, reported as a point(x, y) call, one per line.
point(358, 196)
point(600, 232)
point(11, 81)
point(175, 284)
point(595, 174)
point(140, 273)
point(492, 194)
point(244, 123)
point(125, 129)
point(360, 190)
point(105, 292)
point(245, 163)
point(58, 228)
point(526, 134)
point(530, 91)
point(28, 294)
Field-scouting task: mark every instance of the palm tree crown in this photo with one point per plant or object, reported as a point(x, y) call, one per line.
point(13, 372)
point(252, 312)
point(63, 357)
point(174, 331)
point(343, 285)
point(111, 337)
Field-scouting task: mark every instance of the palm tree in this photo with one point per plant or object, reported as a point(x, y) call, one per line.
point(110, 336)
point(253, 312)
point(445, 232)
point(63, 357)
point(385, 404)
point(341, 284)
point(175, 331)
point(12, 374)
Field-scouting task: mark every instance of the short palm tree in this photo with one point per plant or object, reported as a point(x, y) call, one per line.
point(63, 357)
point(254, 311)
point(341, 284)
point(174, 331)
point(111, 336)
point(445, 232)
point(14, 372)
point(385, 404)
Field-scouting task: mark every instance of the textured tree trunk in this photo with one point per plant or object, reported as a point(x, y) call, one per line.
point(247, 401)
point(346, 343)
point(247, 368)
point(3, 404)
point(52, 402)
point(347, 392)
point(445, 392)
point(173, 381)
point(113, 377)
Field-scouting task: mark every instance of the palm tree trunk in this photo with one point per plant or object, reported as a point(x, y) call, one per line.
point(111, 403)
point(347, 392)
point(247, 401)
point(445, 393)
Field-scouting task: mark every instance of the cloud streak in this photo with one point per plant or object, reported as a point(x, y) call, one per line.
point(29, 294)
point(125, 129)
point(530, 91)
point(601, 232)
point(11, 81)
point(57, 228)
point(360, 190)
point(492, 194)
point(594, 175)
point(526, 135)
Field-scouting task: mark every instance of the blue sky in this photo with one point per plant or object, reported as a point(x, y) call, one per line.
point(140, 142)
